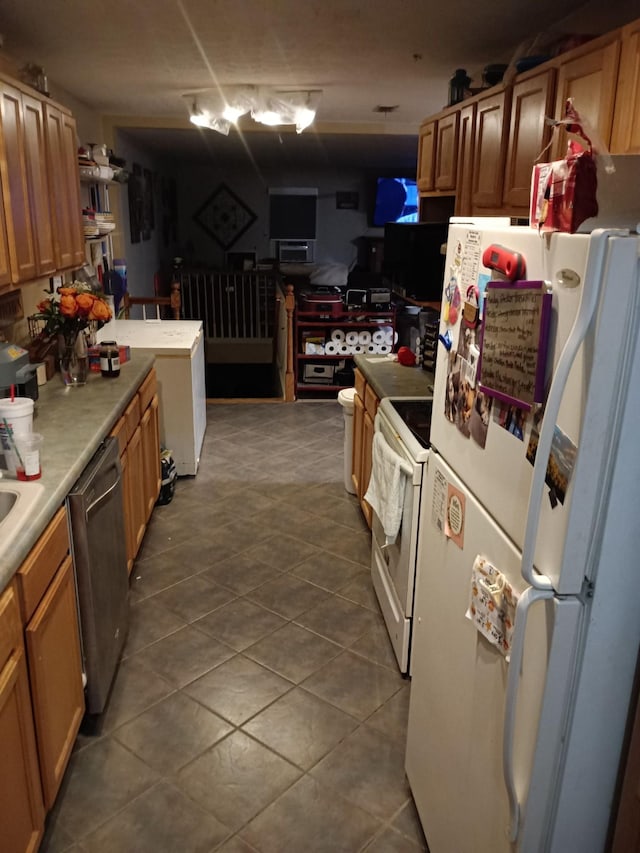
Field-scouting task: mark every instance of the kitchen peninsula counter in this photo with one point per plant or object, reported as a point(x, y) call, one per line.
point(73, 423)
point(391, 379)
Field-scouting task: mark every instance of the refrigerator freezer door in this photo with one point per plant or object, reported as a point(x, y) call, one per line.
point(499, 474)
point(454, 758)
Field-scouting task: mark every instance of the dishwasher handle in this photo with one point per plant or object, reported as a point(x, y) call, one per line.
point(104, 495)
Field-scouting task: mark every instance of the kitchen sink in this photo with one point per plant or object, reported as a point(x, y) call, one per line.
point(7, 502)
point(17, 499)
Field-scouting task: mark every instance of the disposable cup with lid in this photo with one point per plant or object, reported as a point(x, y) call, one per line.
point(16, 418)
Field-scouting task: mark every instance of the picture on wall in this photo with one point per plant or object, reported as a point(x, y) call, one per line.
point(224, 216)
point(147, 204)
point(135, 197)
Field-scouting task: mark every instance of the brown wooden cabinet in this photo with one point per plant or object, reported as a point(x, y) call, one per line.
point(21, 809)
point(532, 99)
point(138, 434)
point(499, 133)
point(588, 75)
point(490, 150)
point(62, 165)
point(625, 136)
point(13, 172)
point(426, 156)
point(446, 160)
point(365, 403)
point(5, 263)
point(42, 223)
point(49, 613)
point(39, 196)
point(150, 430)
point(466, 140)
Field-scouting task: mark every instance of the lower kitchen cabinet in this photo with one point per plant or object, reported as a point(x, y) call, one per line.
point(21, 808)
point(138, 433)
point(48, 604)
point(365, 404)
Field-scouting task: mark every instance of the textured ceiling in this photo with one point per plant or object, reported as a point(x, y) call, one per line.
point(139, 57)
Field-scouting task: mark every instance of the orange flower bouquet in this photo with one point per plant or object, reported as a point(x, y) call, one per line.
point(76, 309)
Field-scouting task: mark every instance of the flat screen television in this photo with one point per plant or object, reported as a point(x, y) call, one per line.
point(396, 200)
point(292, 213)
point(412, 258)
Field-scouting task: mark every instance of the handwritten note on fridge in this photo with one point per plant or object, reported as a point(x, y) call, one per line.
point(514, 341)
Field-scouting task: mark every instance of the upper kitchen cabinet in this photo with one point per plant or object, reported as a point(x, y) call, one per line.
point(427, 156)
point(589, 75)
point(466, 139)
point(41, 228)
point(625, 138)
point(13, 172)
point(446, 152)
point(5, 264)
point(490, 149)
point(438, 153)
point(62, 166)
point(532, 99)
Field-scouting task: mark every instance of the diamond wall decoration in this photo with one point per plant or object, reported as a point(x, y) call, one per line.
point(224, 216)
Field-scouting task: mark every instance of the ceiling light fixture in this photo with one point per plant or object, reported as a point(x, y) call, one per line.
point(218, 110)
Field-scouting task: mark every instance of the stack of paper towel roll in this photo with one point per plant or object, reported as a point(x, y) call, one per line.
point(380, 341)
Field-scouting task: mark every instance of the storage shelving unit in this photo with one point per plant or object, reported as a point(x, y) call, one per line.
point(95, 195)
point(332, 375)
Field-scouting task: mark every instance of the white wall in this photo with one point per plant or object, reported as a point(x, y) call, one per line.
point(147, 257)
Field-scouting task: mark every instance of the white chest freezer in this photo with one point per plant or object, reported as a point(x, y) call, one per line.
point(178, 347)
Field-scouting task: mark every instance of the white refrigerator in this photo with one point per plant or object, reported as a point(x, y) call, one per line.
point(178, 347)
point(516, 725)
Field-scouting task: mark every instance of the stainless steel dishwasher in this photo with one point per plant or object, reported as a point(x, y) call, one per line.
point(99, 552)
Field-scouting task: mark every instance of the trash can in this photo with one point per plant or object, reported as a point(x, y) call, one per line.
point(345, 398)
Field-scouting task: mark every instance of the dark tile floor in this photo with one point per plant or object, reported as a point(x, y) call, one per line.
point(258, 706)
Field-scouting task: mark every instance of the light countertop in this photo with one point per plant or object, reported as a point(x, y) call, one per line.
point(391, 379)
point(73, 422)
point(162, 337)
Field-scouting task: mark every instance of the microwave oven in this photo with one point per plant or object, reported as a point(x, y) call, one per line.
point(295, 251)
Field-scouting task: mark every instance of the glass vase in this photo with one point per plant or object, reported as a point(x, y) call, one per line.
point(73, 359)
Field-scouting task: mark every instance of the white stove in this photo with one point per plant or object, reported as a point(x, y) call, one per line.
point(404, 423)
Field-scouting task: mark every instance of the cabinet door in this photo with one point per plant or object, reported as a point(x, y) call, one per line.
point(590, 79)
point(21, 810)
point(447, 152)
point(490, 148)
point(5, 266)
point(136, 494)
point(466, 138)
point(42, 227)
point(64, 187)
point(625, 138)
point(427, 156)
point(13, 170)
point(356, 459)
point(150, 430)
point(367, 449)
point(127, 499)
point(55, 671)
point(531, 101)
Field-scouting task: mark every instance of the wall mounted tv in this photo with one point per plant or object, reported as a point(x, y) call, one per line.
point(292, 213)
point(413, 260)
point(396, 201)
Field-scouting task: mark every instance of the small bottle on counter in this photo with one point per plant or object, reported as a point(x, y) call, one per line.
point(109, 359)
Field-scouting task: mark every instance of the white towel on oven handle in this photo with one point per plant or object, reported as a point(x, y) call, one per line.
point(387, 483)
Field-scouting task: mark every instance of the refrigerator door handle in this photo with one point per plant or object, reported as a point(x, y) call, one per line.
point(529, 596)
point(586, 310)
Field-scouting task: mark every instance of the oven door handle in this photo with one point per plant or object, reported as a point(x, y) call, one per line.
point(405, 467)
